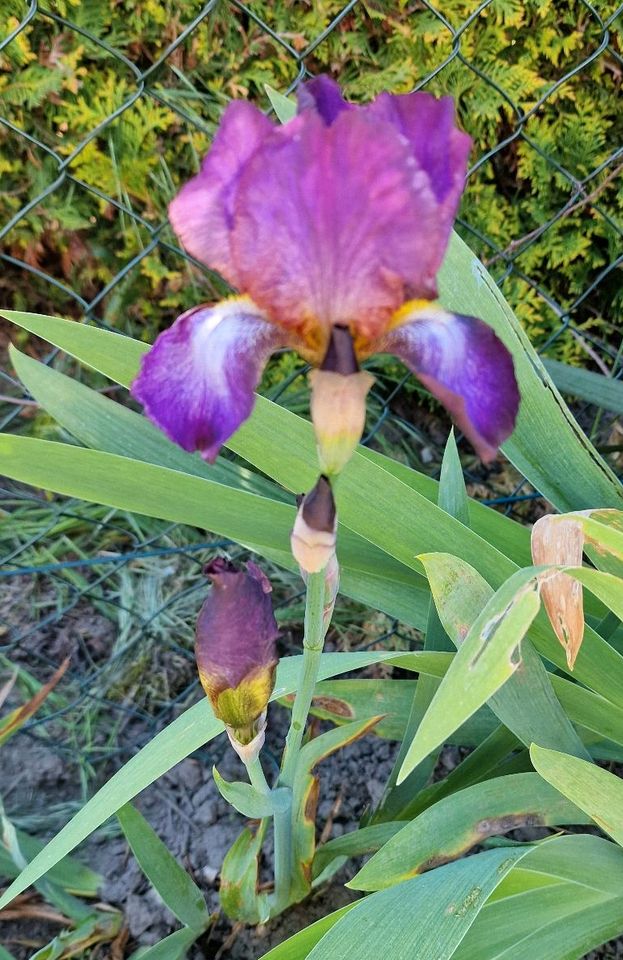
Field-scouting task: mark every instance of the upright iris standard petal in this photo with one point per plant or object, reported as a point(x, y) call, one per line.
point(202, 212)
point(236, 645)
point(331, 226)
point(465, 365)
point(323, 95)
point(440, 151)
point(197, 381)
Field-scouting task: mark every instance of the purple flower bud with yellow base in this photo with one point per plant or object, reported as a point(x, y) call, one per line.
point(314, 533)
point(236, 648)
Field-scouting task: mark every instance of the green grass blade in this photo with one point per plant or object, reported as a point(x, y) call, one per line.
point(526, 703)
point(101, 423)
point(452, 493)
point(299, 946)
point(488, 656)
point(173, 947)
point(356, 843)
point(258, 522)
point(563, 900)
point(284, 107)
point(176, 888)
point(607, 587)
point(69, 874)
point(454, 500)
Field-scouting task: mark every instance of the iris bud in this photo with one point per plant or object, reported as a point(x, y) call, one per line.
point(236, 647)
point(338, 402)
point(314, 532)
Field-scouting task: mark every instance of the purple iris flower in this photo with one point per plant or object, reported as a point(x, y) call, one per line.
point(337, 220)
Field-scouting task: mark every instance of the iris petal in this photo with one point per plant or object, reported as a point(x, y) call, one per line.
point(330, 226)
point(323, 95)
point(197, 381)
point(336, 217)
point(440, 151)
point(202, 212)
point(466, 366)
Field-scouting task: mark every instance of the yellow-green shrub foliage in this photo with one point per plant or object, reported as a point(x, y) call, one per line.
point(557, 165)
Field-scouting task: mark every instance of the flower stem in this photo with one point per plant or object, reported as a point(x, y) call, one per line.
point(312, 651)
point(256, 775)
point(313, 640)
point(282, 804)
point(282, 799)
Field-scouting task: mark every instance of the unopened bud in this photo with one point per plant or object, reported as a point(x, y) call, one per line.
point(314, 533)
point(560, 540)
point(338, 402)
point(236, 647)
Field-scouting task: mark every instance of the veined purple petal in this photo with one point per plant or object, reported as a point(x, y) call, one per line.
point(323, 95)
point(440, 150)
point(202, 212)
point(466, 366)
point(330, 226)
point(236, 630)
point(197, 381)
point(335, 218)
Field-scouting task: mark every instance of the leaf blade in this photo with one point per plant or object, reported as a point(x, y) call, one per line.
point(596, 791)
point(176, 888)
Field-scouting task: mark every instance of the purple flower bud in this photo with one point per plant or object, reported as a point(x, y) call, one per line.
point(236, 646)
point(314, 532)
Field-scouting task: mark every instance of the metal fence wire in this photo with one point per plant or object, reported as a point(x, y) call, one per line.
point(105, 111)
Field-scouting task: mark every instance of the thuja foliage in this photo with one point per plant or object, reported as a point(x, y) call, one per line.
point(58, 85)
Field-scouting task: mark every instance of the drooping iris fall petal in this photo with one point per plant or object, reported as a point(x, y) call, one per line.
point(466, 366)
point(197, 382)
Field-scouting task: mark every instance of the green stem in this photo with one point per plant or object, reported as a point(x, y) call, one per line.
point(282, 800)
point(282, 797)
point(313, 641)
point(256, 776)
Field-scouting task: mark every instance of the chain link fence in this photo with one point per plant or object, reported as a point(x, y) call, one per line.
point(104, 113)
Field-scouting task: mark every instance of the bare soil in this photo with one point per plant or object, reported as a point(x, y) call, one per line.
point(41, 787)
